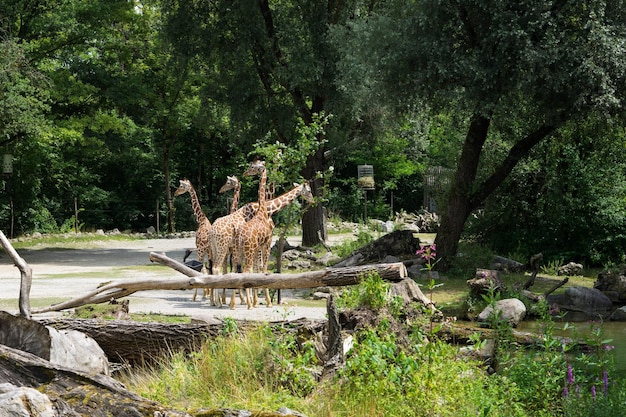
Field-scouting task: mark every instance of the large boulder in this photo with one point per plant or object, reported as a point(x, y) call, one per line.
point(510, 310)
point(582, 303)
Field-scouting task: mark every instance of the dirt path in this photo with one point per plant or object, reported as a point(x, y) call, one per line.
point(60, 274)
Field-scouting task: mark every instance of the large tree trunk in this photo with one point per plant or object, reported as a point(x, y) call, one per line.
point(313, 225)
point(465, 195)
point(458, 207)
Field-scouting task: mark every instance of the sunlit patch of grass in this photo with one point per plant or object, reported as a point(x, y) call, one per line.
point(108, 312)
point(13, 303)
point(114, 272)
point(70, 240)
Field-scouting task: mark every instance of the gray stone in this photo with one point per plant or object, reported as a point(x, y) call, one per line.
point(582, 303)
point(24, 402)
point(77, 351)
point(589, 299)
point(390, 259)
point(613, 282)
point(619, 314)
point(328, 259)
point(510, 309)
point(571, 269)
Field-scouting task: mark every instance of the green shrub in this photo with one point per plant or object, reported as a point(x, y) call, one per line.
point(372, 293)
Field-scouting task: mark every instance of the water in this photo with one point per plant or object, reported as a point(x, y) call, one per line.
point(614, 330)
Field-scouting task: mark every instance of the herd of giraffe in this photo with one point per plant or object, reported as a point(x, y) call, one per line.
point(244, 235)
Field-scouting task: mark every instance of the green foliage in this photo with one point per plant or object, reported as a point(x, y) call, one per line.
point(555, 378)
point(346, 247)
point(292, 363)
point(566, 201)
point(371, 293)
point(381, 378)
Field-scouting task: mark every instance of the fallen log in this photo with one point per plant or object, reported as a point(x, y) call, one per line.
point(328, 277)
point(136, 343)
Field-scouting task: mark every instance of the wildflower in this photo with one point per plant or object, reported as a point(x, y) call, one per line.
point(553, 309)
point(429, 254)
point(570, 375)
point(608, 347)
point(565, 392)
point(593, 392)
point(605, 382)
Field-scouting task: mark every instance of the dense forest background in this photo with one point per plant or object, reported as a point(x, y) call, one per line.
point(106, 104)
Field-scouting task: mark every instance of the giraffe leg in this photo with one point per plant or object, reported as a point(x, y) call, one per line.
point(232, 299)
point(268, 298)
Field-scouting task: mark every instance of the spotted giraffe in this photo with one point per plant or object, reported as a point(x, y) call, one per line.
point(273, 206)
point(204, 227)
point(256, 234)
point(222, 234)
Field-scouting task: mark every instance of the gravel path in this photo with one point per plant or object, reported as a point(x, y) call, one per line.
point(61, 274)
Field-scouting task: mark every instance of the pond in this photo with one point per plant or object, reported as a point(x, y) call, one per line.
point(613, 330)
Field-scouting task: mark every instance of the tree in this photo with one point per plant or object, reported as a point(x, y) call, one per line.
point(517, 71)
point(566, 200)
point(273, 64)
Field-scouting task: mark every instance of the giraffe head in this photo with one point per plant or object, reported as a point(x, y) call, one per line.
point(256, 168)
point(306, 193)
point(232, 183)
point(184, 187)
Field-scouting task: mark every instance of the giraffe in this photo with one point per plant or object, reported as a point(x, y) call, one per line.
point(222, 234)
point(273, 206)
point(204, 227)
point(256, 234)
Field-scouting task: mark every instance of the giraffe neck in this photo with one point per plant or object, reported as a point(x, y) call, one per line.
point(277, 204)
point(272, 206)
point(235, 204)
point(262, 210)
point(197, 208)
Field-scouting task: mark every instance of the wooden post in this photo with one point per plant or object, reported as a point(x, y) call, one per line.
point(365, 207)
point(75, 215)
point(157, 217)
point(12, 214)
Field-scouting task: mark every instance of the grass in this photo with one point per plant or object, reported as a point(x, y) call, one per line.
point(69, 240)
point(107, 312)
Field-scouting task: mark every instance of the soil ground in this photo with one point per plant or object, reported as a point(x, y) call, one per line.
point(61, 273)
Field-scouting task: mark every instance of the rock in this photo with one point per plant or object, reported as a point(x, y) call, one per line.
point(510, 309)
point(614, 282)
point(99, 232)
point(151, 230)
point(24, 402)
point(77, 351)
point(390, 259)
point(299, 264)
point(328, 259)
point(289, 412)
point(570, 269)
point(291, 254)
point(68, 348)
point(582, 303)
point(619, 314)
point(484, 281)
point(503, 264)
